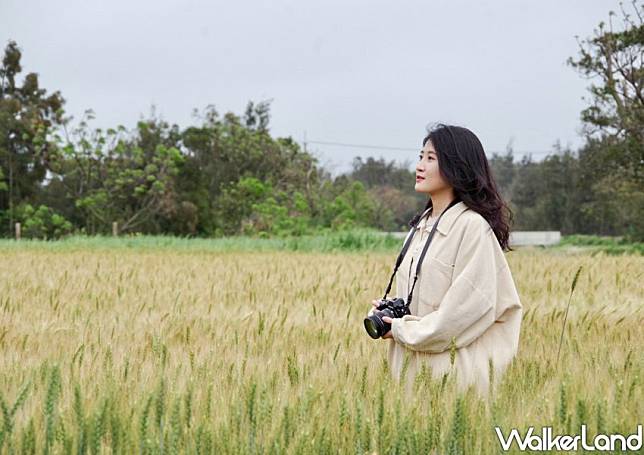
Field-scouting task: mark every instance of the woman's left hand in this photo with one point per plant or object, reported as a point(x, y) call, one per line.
point(388, 320)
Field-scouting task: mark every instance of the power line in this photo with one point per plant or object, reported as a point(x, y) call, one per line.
point(409, 149)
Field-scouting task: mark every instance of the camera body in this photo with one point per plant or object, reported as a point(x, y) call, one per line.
point(393, 308)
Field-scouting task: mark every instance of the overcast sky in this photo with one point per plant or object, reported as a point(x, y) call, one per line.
point(359, 72)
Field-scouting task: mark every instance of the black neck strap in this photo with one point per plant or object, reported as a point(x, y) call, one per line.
point(405, 247)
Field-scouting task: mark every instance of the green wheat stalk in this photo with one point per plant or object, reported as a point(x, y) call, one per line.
point(53, 392)
point(563, 327)
point(144, 426)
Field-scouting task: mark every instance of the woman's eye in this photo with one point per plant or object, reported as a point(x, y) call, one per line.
point(420, 157)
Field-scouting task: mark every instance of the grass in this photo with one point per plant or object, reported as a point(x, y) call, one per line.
point(107, 348)
point(358, 240)
point(605, 244)
point(354, 240)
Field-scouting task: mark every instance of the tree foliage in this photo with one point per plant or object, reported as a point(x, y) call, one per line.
point(613, 159)
point(27, 118)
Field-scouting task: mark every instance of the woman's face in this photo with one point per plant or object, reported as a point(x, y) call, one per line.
point(428, 177)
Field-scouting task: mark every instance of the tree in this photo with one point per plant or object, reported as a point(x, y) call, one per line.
point(615, 58)
point(222, 152)
point(378, 172)
point(503, 169)
point(391, 185)
point(614, 122)
point(27, 118)
point(120, 176)
point(42, 222)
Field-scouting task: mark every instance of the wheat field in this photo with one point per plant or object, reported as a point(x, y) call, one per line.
point(170, 351)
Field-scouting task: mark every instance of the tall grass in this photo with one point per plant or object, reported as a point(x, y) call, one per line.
point(112, 350)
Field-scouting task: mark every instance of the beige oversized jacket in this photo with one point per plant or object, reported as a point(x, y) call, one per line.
point(465, 291)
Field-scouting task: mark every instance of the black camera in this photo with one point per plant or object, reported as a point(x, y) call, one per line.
point(393, 308)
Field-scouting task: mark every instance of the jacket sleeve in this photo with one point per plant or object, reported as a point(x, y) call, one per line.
point(468, 307)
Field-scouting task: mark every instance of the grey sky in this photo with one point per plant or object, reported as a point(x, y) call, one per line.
point(361, 72)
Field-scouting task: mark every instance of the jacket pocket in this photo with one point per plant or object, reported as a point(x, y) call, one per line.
point(435, 280)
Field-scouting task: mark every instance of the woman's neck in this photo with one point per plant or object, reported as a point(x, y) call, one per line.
point(440, 201)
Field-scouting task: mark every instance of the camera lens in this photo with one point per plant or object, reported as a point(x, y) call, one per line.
point(373, 324)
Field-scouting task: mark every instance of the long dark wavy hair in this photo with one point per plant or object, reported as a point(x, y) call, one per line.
point(464, 166)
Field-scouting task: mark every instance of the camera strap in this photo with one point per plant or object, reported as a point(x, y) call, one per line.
point(402, 253)
point(422, 254)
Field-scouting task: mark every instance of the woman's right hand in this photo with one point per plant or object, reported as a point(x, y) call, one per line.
point(375, 304)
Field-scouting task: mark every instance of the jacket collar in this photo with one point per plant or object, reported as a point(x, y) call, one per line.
point(447, 220)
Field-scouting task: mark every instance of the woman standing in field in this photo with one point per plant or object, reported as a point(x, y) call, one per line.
point(465, 298)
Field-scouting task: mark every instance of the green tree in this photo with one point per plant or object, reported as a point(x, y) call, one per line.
point(27, 120)
point(613, 158)
point(223, 151)
point(504, 169)
point(235, 203)
point(354, 207)
point(42, 222)
point(253, 207)
point(283, 215)
point(526, 191)
point(119, 176)
point(391, 185)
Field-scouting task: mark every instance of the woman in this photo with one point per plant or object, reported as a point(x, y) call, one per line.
point(465, 298)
